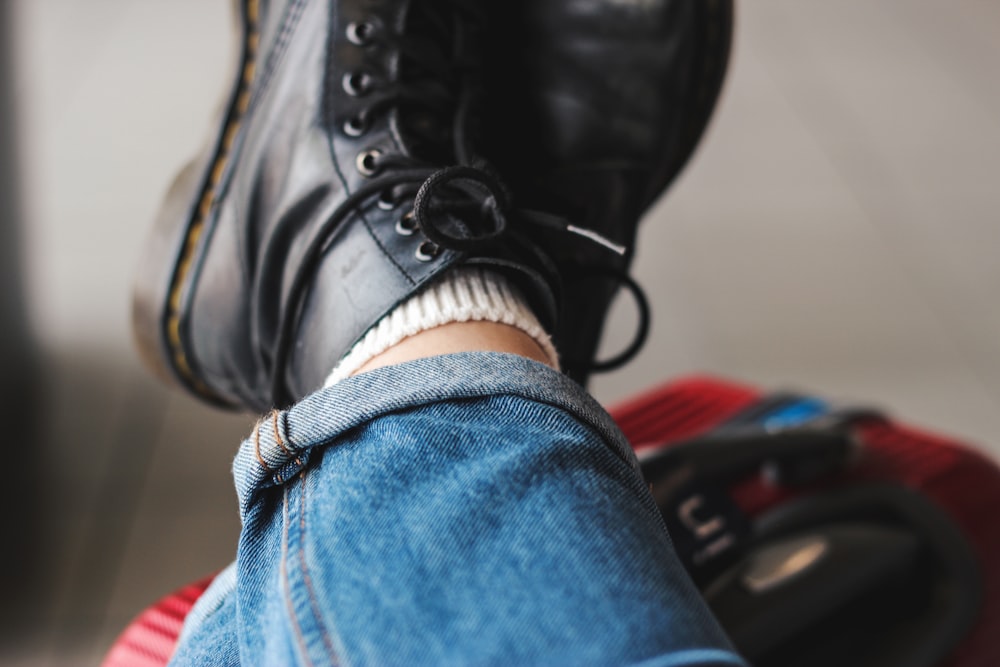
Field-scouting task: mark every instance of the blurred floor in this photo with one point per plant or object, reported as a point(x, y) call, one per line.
point(837, 232)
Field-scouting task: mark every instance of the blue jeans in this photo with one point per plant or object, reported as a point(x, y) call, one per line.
point(476, 508)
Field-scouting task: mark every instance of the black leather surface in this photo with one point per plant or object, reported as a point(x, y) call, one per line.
point(590, 113)
point(595, 106)
point(293, 167)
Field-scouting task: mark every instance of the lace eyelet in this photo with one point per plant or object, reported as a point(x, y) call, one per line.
point(356, 126)
point(360, 33)
point(427, 251)
point(407, 225)
point(367, 162)
point(386, 201)
point(357, 84)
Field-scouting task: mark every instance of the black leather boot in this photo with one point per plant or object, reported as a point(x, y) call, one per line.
point(343, 179)
point(594, 108)
point(320, 204)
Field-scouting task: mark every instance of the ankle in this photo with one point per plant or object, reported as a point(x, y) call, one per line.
point(460, 337)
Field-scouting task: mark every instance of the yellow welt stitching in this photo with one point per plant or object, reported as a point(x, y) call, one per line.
point(173, 331)
point(227, 140)
point(242, 103)
point(216, 176)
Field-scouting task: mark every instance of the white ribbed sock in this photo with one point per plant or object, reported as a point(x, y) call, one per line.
point(461, 295)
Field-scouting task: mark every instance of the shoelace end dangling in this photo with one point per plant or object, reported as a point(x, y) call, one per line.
point(598, 239)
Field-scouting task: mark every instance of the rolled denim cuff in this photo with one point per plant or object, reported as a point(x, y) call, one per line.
point(280, 444)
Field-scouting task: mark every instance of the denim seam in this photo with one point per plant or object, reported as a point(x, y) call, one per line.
point(331, 653)
point(699, 657)
point(300, 639)
point(256, 450)
point(275, 414)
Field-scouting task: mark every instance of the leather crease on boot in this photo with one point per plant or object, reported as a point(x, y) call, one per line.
point(344, 178)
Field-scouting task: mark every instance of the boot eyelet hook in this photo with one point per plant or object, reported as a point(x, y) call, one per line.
point(360, 33)
point(357, 84)
point(355, 126)
point(427, 251)
point(406, 225)
point(367, 162)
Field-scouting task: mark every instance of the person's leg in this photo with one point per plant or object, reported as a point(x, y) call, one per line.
point(419, 507)
point(469, 508)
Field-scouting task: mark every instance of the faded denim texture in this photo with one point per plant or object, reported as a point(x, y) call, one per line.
point(476, 508)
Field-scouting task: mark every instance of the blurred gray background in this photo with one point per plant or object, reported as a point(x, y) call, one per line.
point(837, 232)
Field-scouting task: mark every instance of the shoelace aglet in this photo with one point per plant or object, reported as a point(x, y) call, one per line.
point(598, 239)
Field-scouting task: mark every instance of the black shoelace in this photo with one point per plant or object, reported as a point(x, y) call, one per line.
point(441, 85)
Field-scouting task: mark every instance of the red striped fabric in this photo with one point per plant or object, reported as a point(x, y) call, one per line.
point(150, 639)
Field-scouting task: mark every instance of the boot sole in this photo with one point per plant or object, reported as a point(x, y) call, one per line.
point(173, 243)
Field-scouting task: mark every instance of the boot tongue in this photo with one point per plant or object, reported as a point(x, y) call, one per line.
point(431, 73)
point(425, 135)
